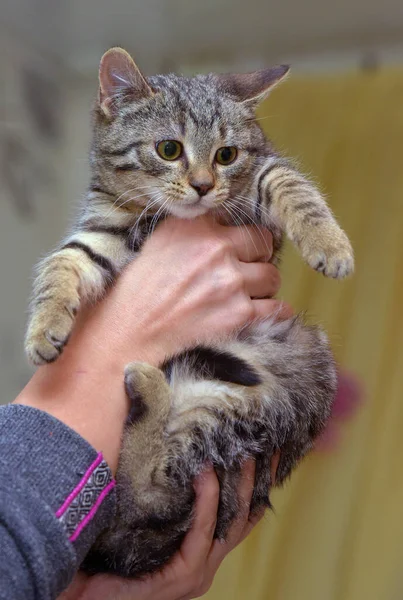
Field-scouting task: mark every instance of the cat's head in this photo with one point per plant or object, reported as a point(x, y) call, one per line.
point(188, 145)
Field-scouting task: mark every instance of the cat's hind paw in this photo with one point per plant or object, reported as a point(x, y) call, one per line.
point(147, 389)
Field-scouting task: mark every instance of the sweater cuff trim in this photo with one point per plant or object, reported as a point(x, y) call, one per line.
point(83, 502)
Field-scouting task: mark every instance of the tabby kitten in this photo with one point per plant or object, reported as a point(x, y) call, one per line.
point(172, 145)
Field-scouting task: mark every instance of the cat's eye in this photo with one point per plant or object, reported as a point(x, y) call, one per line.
point(169, 149)
point(226, 155)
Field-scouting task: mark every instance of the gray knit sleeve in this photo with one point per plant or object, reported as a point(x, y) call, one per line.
point(56, 496)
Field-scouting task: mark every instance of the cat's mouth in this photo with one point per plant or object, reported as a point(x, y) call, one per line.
point(190, 211)
point(195, 208)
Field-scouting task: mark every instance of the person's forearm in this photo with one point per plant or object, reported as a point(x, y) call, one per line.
point(84, 388)
point(56, 497)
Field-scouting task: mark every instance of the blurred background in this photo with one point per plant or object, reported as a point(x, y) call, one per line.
point(337, 530)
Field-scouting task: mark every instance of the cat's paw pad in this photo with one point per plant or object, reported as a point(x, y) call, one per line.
point(333, 263)
point(146, 386)
point(143, 378)
point(141, 373)
point(47, 335)
point(329, 251)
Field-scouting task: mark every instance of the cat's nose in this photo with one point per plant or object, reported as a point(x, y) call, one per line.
point(202, 185)
point(201, 188)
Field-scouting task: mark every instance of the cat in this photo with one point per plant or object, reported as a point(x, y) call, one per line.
point(189, 146)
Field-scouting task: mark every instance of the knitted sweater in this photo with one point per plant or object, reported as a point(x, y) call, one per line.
point(56, 496)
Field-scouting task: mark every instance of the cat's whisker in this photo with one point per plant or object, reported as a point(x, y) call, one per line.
point(249, 218)
point(156, 199)
point(139, 188)
point(232, 216)
point(131, 199)
point(135, 227)
point(118, 198)
point(155, 218)
point(240, 222)
point(233, 202)
point(252, 204)
point(248, 215)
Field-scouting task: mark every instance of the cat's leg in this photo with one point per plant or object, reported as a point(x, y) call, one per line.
point(286, 198)
point(145, 455)
point(263, 483)
point(81, 270)
point(154, 509)
point(228, 507)
point(150, 397)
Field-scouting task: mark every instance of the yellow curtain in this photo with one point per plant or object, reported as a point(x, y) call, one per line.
point(337, 531)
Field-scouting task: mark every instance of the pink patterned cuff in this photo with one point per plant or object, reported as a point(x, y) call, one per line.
point(83, 502)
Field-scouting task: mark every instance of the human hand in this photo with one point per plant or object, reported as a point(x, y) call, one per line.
point(194, 281)
point(192, 570)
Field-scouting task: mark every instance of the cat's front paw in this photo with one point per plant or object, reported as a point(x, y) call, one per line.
point(48, 332)
point(330, 253)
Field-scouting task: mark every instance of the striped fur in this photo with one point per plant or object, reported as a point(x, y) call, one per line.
point(271, 386)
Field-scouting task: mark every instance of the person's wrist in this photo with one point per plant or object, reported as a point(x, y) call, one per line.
point(94, 407)
point(84, 387)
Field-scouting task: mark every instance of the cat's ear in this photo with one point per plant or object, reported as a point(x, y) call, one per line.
point(120, 77)
point(252, 87)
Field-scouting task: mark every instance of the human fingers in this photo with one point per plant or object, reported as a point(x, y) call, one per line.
point(220, 549)
point(274, 466)
point(262, 280)
point(251, 243)
point(245, 490)
point(185, 575)
point(76, 588)
point(254, 519)
point(197, 544)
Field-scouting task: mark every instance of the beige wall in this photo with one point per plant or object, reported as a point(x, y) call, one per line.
point(42, 173)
